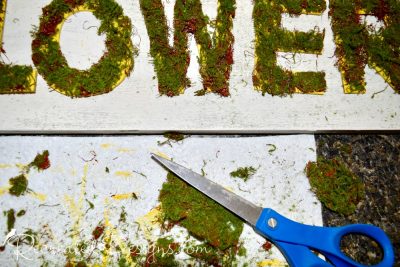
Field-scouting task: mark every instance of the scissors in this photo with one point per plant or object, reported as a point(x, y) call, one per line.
point(296, 241)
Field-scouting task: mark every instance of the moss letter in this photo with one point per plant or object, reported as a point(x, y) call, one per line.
point(271, 38)
point(355, 47)
point(215, 54)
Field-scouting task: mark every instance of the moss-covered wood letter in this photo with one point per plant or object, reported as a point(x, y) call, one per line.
point(215, 54)
point(270, 38)
point(14, 79)
point(355, 47)
point(102, 77)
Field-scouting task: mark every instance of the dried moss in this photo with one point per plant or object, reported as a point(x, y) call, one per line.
point(10, 219)
point(270, 38)
point(163, 253)
point(103, 76)
point(335, 185)
point(355, 47)
point(201, 216)
point(19, 185)
point(215, 54)
point(243, 173)
point(41, 161)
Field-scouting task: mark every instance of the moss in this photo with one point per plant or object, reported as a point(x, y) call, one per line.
point(335, 185)
point(10, 219)
point(355, 47)
point(21, 213)
point(19, 185)
point(103, 76)
point(172, 137)
point(215, 54)
point(122, 215)
point(270, 38)
point(213, 256)
point(243, 173)
point(202, 217)
point(98, 231)
point(41, 161)
point(14, 79)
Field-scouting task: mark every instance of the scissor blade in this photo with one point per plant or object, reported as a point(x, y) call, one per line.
point(238, 205)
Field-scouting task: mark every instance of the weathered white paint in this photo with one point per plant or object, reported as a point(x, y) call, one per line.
point(135, 105)
point(279, 183)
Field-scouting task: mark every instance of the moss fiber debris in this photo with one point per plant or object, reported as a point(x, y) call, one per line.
point(243, 173)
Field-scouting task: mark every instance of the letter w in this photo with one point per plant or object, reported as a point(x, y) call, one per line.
point(215, 53)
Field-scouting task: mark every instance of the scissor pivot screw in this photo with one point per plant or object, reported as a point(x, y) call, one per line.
point(272, 222)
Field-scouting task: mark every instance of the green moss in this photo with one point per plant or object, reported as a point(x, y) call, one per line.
point(215, 54)
point(202, 217)
point(14, 79)
point(172, 137)
point(10, 219)
point(21, 213)
point(41, 161)
point(243, 173)
point(270, 38)
point(163, 253)
point(19, 185)
point(335, 185)
point(103, 76)
point(355, 47)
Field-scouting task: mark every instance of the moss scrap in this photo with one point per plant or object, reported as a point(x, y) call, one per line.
point(19, 185)
point(102, 77)
point(243, 173)
point(41, 161)
point(14, 79)
point(335, 185)
point(270, 38)
point(202, 217)
point(10, 219)
point(172, 137)
point(355, 47)
point(215, 54)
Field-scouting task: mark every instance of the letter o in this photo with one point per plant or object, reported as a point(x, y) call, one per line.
point(103, 76)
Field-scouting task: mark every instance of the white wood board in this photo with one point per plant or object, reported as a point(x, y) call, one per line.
point(135, 105)
point(58, 206)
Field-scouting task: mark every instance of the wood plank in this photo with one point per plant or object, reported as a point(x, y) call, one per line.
point(135, 106)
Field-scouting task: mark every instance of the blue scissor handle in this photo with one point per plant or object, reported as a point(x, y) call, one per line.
point(296, 240)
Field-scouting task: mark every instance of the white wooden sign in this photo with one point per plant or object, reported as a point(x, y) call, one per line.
point(136, 104)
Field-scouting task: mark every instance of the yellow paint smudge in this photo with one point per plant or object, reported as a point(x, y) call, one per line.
point(4, 190)
point(75, 208)
point(149, 222)
point(125, 150)
point(5, 166)
point(122, 196)
point(124, 174)
point(273, 262)
point(158, 153)
point(39, 196)
point(112, 236)
point(106, 146)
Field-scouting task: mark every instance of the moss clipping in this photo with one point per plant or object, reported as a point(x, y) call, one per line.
point(335, 185)
point(202, 217)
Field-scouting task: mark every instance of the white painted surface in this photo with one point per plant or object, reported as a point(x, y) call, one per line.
point(278, 183)
point(135, 105)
